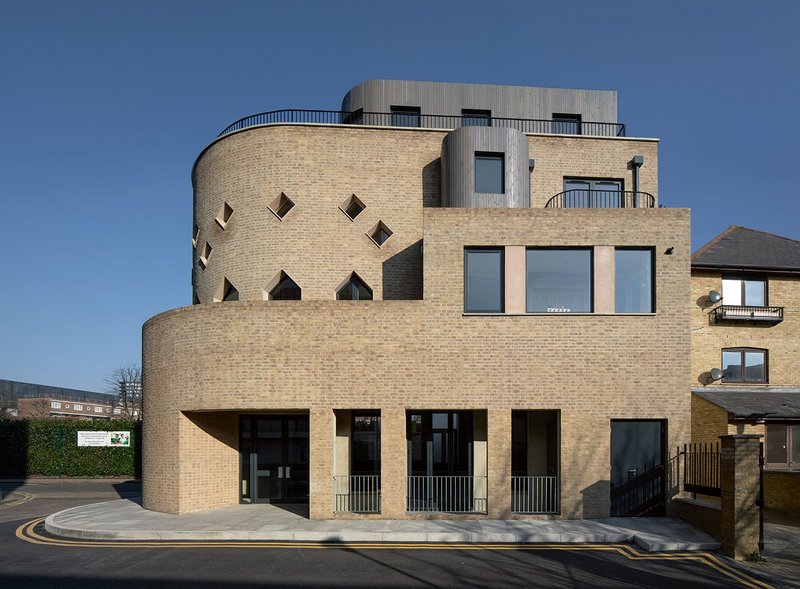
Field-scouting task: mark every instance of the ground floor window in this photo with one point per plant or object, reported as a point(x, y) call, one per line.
point(783, 446)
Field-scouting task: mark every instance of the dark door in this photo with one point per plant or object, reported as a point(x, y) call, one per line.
point(637, 467)
point(275, 458)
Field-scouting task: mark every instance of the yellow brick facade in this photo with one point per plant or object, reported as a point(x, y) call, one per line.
point(413, 347)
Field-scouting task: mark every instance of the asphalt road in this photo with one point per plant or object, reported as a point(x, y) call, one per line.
point(25, 564)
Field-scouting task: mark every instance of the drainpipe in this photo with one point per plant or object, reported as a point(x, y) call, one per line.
point(636, 162)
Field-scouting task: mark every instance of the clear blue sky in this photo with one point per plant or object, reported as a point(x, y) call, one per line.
point(105, 105)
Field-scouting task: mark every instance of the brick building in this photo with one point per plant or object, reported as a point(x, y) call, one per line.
point(745, 346)
point(31, 400)
point(444, 300)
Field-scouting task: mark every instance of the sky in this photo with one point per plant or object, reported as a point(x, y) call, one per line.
point(105, 105)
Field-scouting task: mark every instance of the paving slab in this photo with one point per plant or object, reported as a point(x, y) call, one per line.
point(125, 519)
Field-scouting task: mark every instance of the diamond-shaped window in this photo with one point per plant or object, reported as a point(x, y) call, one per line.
point(354, 289)
point(195, 235)
point(281, 206)
point(282, 288)
point(205, 255)
point(226, 292)
point(224, 215)
point(380, 233)
point(353, 207)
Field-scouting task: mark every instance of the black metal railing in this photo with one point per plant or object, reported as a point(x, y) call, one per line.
point(357, 493)
point(701, 468)
point(447, 494)
point(746, 313)
point(642, 494)
point(601, 199)
point(534, 494)
point(397, 119)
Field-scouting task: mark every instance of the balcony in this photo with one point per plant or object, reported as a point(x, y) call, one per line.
point(735, 313)
point(446, 494)
point(357, 493)
point(387, 119)
point(601, 199)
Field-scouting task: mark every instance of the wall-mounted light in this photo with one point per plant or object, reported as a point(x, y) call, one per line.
point(714, 296)
point(531, 165)
point(716, 374)
point(669, 251)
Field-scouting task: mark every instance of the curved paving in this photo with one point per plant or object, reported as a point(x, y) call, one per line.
point(125, 519)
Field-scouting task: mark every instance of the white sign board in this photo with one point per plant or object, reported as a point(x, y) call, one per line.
point(119, 439)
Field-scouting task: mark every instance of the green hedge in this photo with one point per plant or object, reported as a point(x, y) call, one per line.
point(49, 447)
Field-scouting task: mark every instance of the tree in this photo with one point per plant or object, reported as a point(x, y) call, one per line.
point(125, 383)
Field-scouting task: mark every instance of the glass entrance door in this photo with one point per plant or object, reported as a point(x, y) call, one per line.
point(275, 458)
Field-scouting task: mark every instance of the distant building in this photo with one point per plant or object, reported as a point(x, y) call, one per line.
point(26, 400)
point(42, 407)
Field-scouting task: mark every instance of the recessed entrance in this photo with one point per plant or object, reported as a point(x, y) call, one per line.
point(274, 452)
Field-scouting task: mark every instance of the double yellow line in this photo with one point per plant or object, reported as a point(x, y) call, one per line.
point(27, 532)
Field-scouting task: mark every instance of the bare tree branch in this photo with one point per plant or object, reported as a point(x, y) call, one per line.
point(125, 383)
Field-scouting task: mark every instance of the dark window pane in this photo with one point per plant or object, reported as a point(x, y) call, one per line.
point(567, 124)
point(577, 196)
point(633, 275)
point(795, 430)
point(606, 195)
point(754, 293)
point(405, 116)
point(354, 209)
point(354, 290)
point(285, 290)
point(754, 367)
point(776, 444)
point(489, 174)
point(559, 281)
point(484, 281)
point(284, 208)
point(476, 118)
point(731, 366)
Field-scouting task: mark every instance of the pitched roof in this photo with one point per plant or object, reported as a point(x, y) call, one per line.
point(756, 404)
point(744, 248)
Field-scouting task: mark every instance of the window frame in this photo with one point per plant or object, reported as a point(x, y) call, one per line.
point(493, 155)
point(407, 111)
point(742, 278)
point(742, 351)
point(502, 251)
point(590, 249)
point(476, 114)
point(652, 251)
point(572, 118)
point(789, 465)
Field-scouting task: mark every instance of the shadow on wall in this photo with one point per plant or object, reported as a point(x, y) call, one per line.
point(596, 500)
point(432, 184)
point(402, 274)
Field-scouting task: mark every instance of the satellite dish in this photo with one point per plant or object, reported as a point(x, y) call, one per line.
point(714, 296)
point(716, 374)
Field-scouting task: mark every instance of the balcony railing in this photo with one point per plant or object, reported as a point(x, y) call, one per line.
point(601, 199)
point(388, 119)
point(448, 494)
point(746, 313)
point(534, 494)
point(357, 493)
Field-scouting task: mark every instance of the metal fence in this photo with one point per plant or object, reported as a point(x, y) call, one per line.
point(357, 493)
point(406, 119)
point(746, 313)
point(449, 494)
point(601, 199)
point(534, 494)
point(701, 468)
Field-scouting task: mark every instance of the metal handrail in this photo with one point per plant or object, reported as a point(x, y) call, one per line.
point(578, 198)
point(746, 313)
point(701, 463)
point(426, 121)
point(534, 494)
point(357, 493)
point(446, 493)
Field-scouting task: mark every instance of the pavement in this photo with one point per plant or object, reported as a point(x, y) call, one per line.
point(125, 519)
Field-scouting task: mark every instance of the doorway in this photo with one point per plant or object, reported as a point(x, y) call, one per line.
point(274, 452)
point(638, 482)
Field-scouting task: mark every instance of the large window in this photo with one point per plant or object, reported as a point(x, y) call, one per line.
point(559, 280)
point(365, 443)
point(490, 173)
point(405, 116)
point(633, 280)
point(783, 446)
point(748, 365)
point(484, 291)
point(744, 291)
point(587, 193)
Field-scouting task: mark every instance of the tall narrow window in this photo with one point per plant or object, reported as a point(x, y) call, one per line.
point(633, 278)
point(476, 118)
point(490, 177)
point(365, 443)
point(405, 116)
point(484, 291)
point(559, 280)
point(354, 289)
point(746, 365)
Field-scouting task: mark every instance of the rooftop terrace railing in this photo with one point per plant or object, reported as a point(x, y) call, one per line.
point(405, 119)
point(601, 199)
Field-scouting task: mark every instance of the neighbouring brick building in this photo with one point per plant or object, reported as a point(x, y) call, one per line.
point(745, 350)
point(40, 401)
point(444, 300)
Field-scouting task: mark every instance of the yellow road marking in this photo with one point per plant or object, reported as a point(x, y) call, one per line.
point(27, 533)
point(25, 497)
